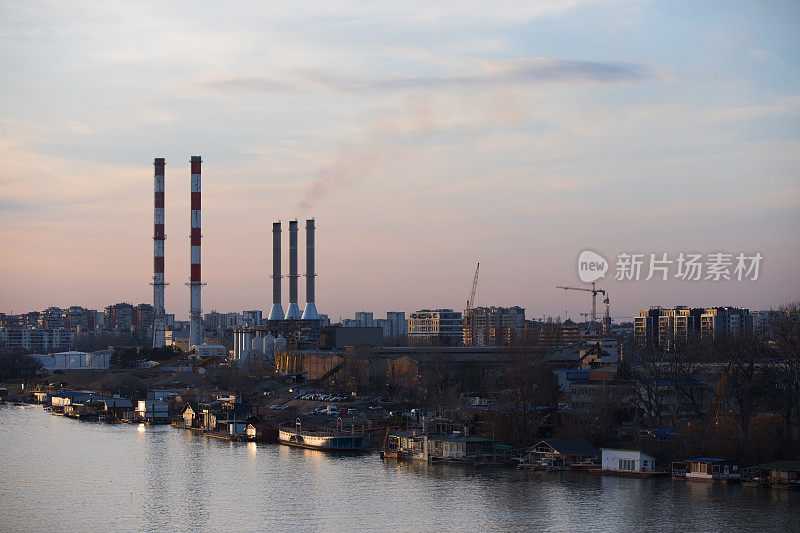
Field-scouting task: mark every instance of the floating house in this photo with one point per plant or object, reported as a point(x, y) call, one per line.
point(118, 409)
point(458, 447)
point(152, 411)
point(258, 431)
point(781, 474)
point(192, 416)
point(712, 470)
point(560, 452)
point(626, 461)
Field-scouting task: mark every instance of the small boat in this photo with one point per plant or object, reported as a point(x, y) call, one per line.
point(586, 464)
point(330, 440)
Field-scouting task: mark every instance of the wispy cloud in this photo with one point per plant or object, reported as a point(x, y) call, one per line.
point(488, 74)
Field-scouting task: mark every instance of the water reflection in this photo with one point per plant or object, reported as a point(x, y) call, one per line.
point(162, 478)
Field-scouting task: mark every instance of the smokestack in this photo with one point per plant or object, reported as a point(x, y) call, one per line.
point(276, 312)
point(310, 312)
point(195, 283)
point(160, 319)
point(293, 312)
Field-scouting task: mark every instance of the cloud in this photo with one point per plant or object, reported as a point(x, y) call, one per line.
point(11, 205)
point(764, 57)
point(488, 74)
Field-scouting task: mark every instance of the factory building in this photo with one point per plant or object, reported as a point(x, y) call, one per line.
point(435, 327)
point(493, 326)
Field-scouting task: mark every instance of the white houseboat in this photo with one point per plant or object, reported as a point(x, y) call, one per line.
point(332, 440)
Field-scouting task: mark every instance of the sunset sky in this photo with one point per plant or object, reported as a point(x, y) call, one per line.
point(422, 138)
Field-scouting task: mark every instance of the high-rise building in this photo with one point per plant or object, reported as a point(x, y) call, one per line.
point(143, 318)
point(365, 319)
point(763, 322)
point(493, 326)
point(51, 318)
point(437, 327)
point(397, 325)
point(252, 318)
point(717, 322)
point(119, 317)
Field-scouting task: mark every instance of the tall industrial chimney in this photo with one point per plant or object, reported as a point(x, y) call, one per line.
point(195, 283)
point(293, 312)
point(276, 312)
point(160, 319)
point(310, 312)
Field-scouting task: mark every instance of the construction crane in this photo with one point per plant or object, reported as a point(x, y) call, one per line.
point(594, 290)
point(723, 379)
point(607, 318)
point(470, 302)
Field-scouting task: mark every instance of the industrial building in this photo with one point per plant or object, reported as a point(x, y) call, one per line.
point(436, 327)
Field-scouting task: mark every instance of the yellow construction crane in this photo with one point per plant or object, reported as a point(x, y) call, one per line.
point(723, 379)
point(594, 290)
point(469, 319)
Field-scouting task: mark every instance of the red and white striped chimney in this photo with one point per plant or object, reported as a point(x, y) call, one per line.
point(195, 282)
point(160, 319)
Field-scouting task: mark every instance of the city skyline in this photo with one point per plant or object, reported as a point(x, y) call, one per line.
point(516, 136)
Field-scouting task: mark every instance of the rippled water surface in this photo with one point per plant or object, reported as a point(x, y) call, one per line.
point(61, 474)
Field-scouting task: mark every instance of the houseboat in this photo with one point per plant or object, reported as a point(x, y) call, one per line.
point(628, 463)
point(711, 470)
point(560, 454)
point(330, 440)
point(777, 474)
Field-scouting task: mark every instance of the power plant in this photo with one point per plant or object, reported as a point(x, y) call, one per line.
point(301, 328)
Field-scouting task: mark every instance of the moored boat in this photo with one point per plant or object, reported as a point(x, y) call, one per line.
point(332, 440)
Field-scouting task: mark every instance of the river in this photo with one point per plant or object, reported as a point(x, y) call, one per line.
point(61, 474)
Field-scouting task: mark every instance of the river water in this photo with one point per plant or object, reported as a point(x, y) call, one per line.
point(62, 474)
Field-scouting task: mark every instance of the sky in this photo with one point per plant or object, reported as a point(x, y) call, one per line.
point(423, 137)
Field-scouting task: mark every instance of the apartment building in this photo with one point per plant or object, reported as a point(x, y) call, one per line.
point(493, 326)
point(441, 327)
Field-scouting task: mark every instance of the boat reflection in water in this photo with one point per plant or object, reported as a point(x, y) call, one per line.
point(325, 439)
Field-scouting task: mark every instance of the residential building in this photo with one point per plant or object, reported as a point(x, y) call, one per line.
point(51, 318)
point(718, 322)
point(142, 318)
point(37, 339)
point(763, 323)
point(669, 329)
point(435, 327)
point(552, 333)
point(119, 317)
point(493, 326)
point(252, 318)
point(397, 325)
point(364, 319)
